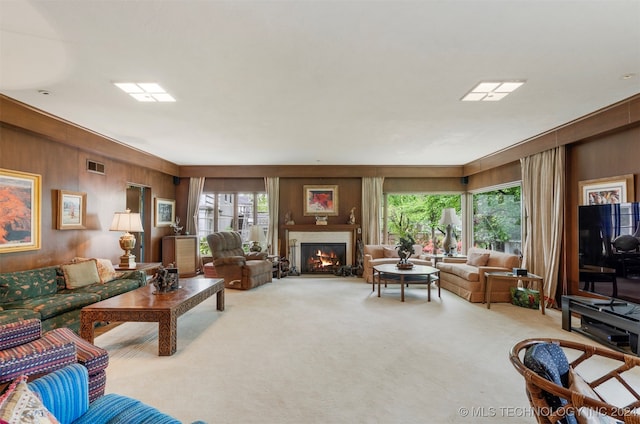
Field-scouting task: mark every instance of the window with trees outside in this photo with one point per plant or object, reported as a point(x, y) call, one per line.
point(497, 219)
point(419, 215)
point(231, 212)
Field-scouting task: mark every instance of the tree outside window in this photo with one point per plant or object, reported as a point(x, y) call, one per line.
point(419, 215)
point(497, 220)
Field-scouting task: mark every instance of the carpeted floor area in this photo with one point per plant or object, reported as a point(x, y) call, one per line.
point(328, 350)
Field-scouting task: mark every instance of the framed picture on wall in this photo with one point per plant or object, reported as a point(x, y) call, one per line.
point(19, 193)
point(165, 212)
point(320, 200)
point(72, 210)
point(609, 190)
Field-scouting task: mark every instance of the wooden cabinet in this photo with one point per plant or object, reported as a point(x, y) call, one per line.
point(183, 251)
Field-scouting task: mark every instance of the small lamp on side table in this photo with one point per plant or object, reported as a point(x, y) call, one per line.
point(127, 222)
point(256, 236)
point(449, 218)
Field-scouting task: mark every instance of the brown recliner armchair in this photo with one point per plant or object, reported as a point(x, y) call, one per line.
point(240, 270)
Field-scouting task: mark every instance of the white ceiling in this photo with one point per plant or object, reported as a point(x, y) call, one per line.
point(319, 82)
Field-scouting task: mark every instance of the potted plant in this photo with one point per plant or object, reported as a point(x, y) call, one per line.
point(405, 250)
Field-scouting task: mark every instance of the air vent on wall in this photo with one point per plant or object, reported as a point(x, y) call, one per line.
point(97, 167)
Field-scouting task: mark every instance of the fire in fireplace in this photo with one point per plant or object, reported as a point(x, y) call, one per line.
point(322, 258)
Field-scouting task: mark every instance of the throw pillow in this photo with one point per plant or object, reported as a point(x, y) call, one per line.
point(477, 259)
point(20, 405)
point(81, 274)
point(577, 384)
point(106, 271)
point(390, 252)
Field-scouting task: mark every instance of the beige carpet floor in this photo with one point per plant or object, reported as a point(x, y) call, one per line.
point(328, 350)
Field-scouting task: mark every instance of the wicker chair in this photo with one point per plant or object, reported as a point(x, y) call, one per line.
point(539, 389)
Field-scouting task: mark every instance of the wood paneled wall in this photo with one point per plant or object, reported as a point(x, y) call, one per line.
point(606, 156)
point(606, 143)
point(63, 167)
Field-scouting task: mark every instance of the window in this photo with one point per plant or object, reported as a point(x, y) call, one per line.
point(231, 212)
point(497, 219)
point(419, 215)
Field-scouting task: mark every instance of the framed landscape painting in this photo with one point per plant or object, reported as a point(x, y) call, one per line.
point(320, 200)
point(72, 210)
point(165, 212)
point(20, 203)
point(609, 190)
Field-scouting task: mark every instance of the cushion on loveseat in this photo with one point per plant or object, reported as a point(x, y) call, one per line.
point(35, 357)
point(117, 409)
point(468, 272)
point(55, 304)
point(93, 358)
point(17, 333)
point(21, 285)
point(109, 289)
point(15, 315)
point(65, 394)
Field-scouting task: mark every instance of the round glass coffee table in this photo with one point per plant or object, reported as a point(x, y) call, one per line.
point(419, 274)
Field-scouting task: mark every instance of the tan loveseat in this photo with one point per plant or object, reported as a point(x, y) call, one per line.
point(377, 254)
point(466, 277)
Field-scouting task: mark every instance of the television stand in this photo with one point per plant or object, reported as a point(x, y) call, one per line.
point(612, 322)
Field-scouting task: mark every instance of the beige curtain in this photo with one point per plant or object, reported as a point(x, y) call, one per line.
point(272, 185)
point(196, 185)
point(371, 209)
point(543, 193)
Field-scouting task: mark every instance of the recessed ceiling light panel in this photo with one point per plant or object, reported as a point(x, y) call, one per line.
point(145, 91)
point(491, 91)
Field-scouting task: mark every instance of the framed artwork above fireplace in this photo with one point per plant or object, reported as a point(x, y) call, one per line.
point(320, 200)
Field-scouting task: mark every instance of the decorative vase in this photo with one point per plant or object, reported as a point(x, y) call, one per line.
point(404, 265)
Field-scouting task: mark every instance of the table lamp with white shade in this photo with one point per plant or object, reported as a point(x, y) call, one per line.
point(449, 218)
point(127, 222)
point(256, 237)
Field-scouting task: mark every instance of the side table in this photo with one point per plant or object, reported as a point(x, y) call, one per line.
point(148, 267)
point(505, 275)
point(275, 261)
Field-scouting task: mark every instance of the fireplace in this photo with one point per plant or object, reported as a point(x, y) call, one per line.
point(296, 235)
point(322, 258)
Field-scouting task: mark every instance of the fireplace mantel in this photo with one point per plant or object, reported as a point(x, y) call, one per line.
point(328, 227)
point(351, 232)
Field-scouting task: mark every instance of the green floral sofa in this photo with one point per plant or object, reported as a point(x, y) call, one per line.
point(56, 294)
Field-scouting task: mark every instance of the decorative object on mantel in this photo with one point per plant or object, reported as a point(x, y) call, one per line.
point(166, 279)
point(352, 216)
point(449, 218)
point(405, 250)
point(176, 226)
point(321, 220)
point(127, 222)
point(288, 219)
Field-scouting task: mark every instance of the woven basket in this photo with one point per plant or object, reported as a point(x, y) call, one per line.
point(536, 385)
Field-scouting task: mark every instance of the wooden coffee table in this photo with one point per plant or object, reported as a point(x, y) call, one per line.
point(142, 305)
